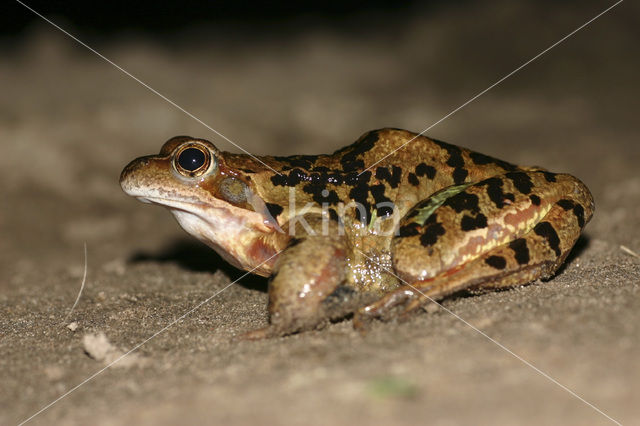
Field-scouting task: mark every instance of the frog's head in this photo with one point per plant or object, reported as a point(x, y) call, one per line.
point(211, 201)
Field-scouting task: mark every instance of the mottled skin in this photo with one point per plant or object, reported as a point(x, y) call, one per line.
point(434, 219)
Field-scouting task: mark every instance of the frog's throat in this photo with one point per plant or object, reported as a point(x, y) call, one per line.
point(229, 230)
point(229, 238)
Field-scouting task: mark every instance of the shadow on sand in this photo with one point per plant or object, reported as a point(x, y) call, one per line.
point(197, 257)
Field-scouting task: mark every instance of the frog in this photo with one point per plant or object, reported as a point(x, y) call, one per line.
point(375, 230)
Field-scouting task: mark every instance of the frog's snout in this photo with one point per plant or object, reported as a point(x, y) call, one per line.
point(132, 173)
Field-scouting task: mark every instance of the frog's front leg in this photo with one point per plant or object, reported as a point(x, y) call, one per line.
point(307, 275)
point(504, 231)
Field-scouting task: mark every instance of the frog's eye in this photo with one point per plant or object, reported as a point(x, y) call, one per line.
point(192, 160)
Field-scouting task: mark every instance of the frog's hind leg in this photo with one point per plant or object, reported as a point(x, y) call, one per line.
point(498, 268)
point(492, 244)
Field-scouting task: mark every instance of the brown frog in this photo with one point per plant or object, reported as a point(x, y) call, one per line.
point(371, 229)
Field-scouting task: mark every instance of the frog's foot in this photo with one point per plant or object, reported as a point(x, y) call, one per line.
point(400, 304)
point(342, 301)
point(277, 330)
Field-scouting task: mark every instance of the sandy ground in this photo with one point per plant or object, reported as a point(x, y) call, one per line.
point(69, 122)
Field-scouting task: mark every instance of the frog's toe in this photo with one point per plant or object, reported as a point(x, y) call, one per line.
point(412, 306)
point(259, 334)
point(384, 308)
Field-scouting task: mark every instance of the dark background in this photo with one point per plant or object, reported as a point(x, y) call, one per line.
point(163, 16)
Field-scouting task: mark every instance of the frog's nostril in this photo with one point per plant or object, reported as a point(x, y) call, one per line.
point(137, 164)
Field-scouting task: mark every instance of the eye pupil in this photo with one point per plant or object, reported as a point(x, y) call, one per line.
point(191, 159)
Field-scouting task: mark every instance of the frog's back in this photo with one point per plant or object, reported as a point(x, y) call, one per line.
point(390, 147)
point(411, 165)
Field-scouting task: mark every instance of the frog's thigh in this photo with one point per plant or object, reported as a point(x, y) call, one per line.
point(545, 221)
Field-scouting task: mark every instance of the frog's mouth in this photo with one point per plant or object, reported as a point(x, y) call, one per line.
point(184, 205)
point(155, 195)
point(215, 213)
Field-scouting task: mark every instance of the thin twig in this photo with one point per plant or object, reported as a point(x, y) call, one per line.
point(629, 251)
point(84, 280)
